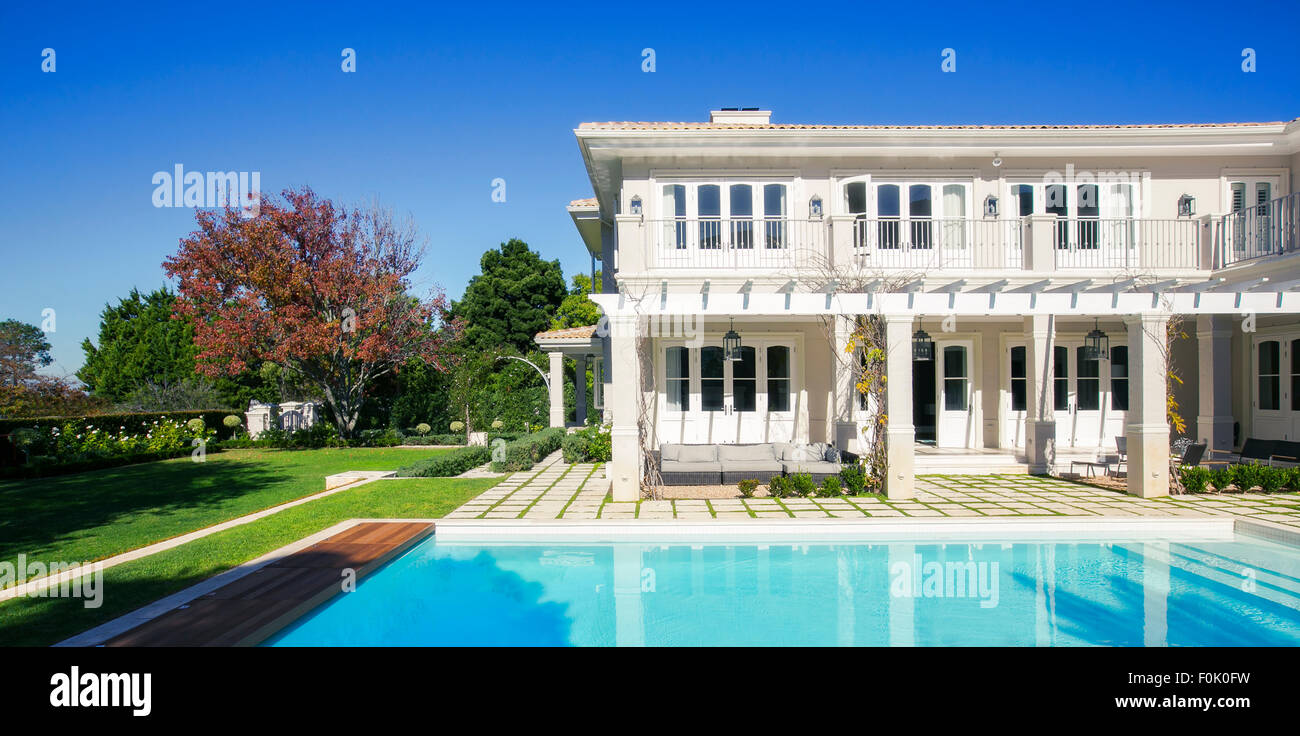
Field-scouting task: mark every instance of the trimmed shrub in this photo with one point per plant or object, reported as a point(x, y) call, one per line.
point(497, 424)
point(1293, 479)
point(591, 444)
point(1246, 477)
point(778, 487)
point(747, 487)
point(196, 425)
point(452, 463)
point(456, 427)
point(422, 429)
point(1271, 480)
point(232, 422)
point(1221, 478)
point(854, 481)
point(831, 486)
point(1194, 479)
point(526, 451)
point(801, 484)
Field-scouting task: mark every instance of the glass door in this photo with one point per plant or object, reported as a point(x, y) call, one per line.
point(1015, 401)
point(955, 421)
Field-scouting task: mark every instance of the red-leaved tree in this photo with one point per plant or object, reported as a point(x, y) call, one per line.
point(315, 287)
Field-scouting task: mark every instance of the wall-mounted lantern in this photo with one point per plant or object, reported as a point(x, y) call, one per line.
point(1096, 346)
point(922, 345)
point(1186, 206)
point(815, 207)
point(991, 206)
point(731, 343)
point(636, 205)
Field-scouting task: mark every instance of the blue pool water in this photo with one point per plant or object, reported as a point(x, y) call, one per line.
point(1239, 591)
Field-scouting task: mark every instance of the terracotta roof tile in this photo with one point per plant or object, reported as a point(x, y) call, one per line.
point(568, 333)
point(588, 202)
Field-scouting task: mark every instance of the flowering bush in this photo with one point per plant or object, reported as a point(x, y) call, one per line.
point(75, 441)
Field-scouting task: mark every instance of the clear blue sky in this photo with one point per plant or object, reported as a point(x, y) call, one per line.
point(445, 100)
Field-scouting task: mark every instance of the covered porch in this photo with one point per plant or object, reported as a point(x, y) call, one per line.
point(1002, 393)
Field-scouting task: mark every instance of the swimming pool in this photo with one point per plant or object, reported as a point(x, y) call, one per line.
point(1021, 589)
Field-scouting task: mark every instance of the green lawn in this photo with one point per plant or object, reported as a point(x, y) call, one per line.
point(94, 515)
point(43, 621)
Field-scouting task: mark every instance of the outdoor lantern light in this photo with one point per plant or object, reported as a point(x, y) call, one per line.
point(922, 345)
point(731, 344)
point(991, 206)
point(1186, 205)
point(815, 207)
point(636, 205)
point(1096, 346)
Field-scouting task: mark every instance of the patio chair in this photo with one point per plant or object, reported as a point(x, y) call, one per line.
point(1285, 454)
point(1254, 451)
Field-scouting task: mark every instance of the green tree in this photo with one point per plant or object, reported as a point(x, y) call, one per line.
point(514, 298)
point(23, 351)
point(577, 310)
point(139, 344)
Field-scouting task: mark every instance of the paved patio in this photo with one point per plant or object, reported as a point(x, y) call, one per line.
point(561, 491)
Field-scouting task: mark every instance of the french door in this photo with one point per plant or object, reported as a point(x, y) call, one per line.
point(1276, 393)
point(1090, 396)
point(1096, 227)
point(955, 389)
point(706, 399)
point(1250, 198)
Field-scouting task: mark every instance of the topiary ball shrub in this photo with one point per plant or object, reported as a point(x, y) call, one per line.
point(422, 429)
point(457, 427)
point(195, 425)
point(231, 421)
point(1194, 479)
point(831, 486)
point(497, 424)
point(747, 487)
point(801, 484)
point(778, 487)
point(853, 480)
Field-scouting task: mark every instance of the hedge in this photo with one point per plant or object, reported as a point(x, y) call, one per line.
point(1242, 477)
point(45, 470)
point(446, 465)
point(526, 451)
point(134, 422)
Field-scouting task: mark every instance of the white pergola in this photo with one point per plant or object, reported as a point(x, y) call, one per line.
point(578, 343)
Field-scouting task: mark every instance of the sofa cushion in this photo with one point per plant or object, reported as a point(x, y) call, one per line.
point(682, 467)
point(670, 452)
point(806, 454)
point(817, 467)
point(741, 453)
point(782, 450)
point(832, 454)
point(698, 454)
point(751, 466)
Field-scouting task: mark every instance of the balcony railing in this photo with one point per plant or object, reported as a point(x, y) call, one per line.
point(1126, 243)
point(766, 243)
point(929, 243)
point(1268, 229)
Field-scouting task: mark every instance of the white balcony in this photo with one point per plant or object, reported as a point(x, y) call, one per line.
point(1268, 229)
point(918, 244)
point(771, 244)
point(1126, 244)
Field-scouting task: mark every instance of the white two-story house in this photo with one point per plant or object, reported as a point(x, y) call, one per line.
point(1026, 276)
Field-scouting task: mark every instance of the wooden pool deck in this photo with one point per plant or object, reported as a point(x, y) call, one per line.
point(251, 609)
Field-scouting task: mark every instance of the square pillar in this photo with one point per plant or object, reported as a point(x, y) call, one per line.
point(580, 386)
point(1214, 380)
point(844, 394)
point(1040, 415)
point(557, 389)
point(900, 433)
point(1148, 426)
point(625, 437)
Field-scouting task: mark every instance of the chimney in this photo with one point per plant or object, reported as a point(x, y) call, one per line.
point(741, 116)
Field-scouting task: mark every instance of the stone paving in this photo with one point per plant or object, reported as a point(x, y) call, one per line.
point(561, 491)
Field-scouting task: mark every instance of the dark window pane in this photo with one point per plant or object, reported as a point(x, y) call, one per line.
point(1268, 357)
point(774, 200)
point(778, 394)
point(742, 200)
point(1119, 378)
point(920, 203)
point(1061, 382)
point(744, 391)
point(747, 366)
point(1024, 196)
point(1018, 362)
point(887, 201)
point(857, 196)
point(954, 362)
point(1088, 383)
point(677, 364)
point(1018, 394)
point(954, 394)
point(1295, 392)
point(1295, 356)
point(710, 204)
point(778, 361)
point(679, 395)
point(1268, 392)
point(711, 398)
point(1056, 204)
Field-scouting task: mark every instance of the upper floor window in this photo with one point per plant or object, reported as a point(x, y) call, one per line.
point(741, 215)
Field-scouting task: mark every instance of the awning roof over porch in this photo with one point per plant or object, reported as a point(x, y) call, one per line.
point(570, 340)
point(1090, 299)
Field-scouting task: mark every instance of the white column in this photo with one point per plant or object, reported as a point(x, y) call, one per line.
point(580, 385)
point(844, 394)
point(1214, 380)
point(624, 377)
point(557, 389)
point(1040, 414)
point(1148, 427)
point(900, 433)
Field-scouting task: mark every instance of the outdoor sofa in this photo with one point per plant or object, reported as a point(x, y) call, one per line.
point(707, 465)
